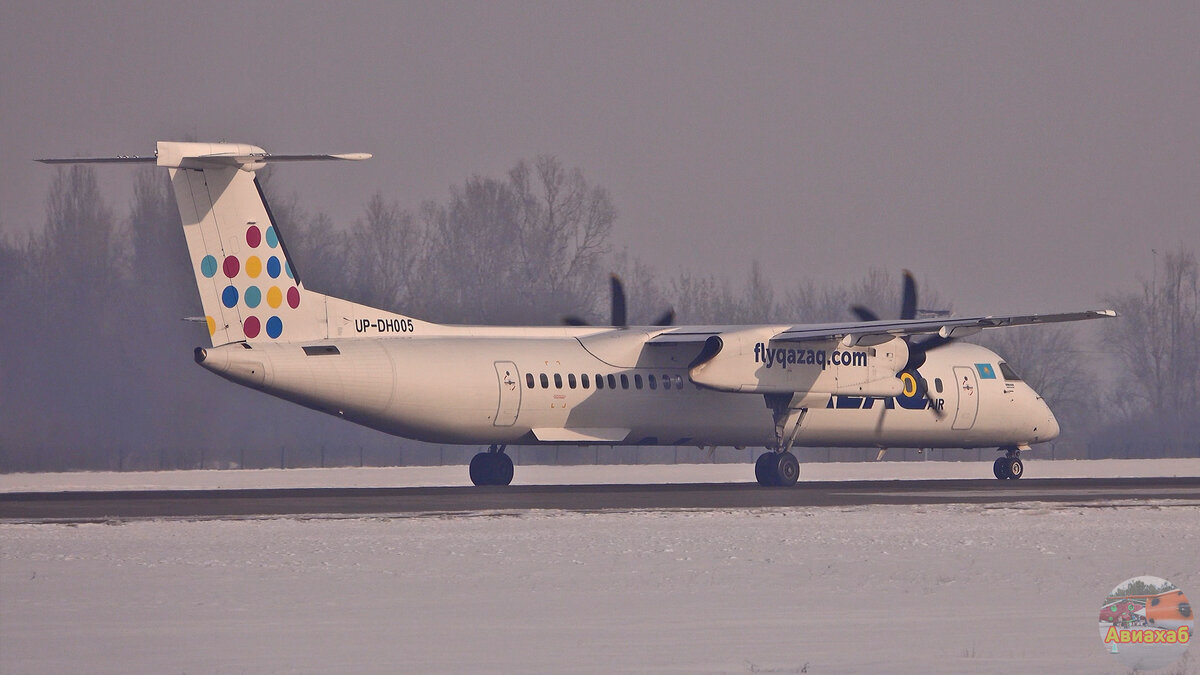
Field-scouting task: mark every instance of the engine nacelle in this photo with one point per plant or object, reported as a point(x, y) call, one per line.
point(749, 361)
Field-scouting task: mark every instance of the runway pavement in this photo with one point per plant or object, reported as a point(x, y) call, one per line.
point(201, 504)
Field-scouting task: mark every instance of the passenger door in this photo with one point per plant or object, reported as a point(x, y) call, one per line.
point(509, 407)
point(968, 398)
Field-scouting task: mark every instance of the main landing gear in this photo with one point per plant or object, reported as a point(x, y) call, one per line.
point(492, 467)
point(777, 469)
point(1009, 466)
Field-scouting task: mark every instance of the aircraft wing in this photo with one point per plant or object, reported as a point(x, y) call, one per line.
point(876, 332)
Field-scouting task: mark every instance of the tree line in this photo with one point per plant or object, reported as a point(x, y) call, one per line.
point(96, 371)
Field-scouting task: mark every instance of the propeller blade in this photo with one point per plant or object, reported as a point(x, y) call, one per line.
point(618, 302)
point(574, 321)
point(864, 314)
point(667, 318)
point(908, 305)
point(931, 342)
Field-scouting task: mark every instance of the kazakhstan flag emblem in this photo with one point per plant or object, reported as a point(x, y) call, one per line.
point(986, 372)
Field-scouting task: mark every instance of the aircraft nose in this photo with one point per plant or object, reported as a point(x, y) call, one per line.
point(1048, 429)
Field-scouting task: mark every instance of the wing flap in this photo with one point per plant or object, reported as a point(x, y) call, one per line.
point(580, 435)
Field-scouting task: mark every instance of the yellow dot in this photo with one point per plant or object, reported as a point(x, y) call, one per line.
point(274, 296)
point(212, 325)
point(253, 266)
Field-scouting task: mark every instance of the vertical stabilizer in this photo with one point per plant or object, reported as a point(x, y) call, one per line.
point(248, 286)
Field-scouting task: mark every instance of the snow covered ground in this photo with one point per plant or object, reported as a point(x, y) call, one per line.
point(896, 589)
point(424, 476)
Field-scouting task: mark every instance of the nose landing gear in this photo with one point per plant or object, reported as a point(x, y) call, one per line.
point(492, 467)
point(1009, 466)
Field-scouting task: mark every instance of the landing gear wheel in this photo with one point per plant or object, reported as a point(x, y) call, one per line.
point(764, 470)
point(1000, 468)
point(480, 469)
point(787, 470)
point(1015, 468)
point(491, 468)
point(503, 469)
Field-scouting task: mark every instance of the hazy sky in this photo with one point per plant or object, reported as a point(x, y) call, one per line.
point(1020, 156)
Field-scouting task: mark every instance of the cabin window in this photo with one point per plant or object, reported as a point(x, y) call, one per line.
point(637, 380)
point(1009, 373)
point(529, 380)
point(557, 381)
point(612, 382)
point(571, 380)
point(653, 381)
point(678, 382)
point(599, 381)
point(624, 381)
point(937, 384)
point(545, 382)
point(666, 381)
point(583, 379)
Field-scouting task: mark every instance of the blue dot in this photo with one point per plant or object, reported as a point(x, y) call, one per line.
point(229, 297)
point(208, 266)
point(288, 268)
point(274, 327)
point(272, 238)
point(273, 267)
point(253, 297)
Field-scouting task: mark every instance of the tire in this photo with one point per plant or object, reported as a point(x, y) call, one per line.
point(1015, 468)
point(763, 469)
point(787, 470)
point(481, 469)
point(1000, 468)
point(502, 473)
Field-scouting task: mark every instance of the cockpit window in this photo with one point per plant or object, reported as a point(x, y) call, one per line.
point(1009, 373)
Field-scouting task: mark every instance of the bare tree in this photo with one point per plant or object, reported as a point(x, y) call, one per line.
point(382, 253)
point(563, 227)
point(80, 238)
point(1157, 347)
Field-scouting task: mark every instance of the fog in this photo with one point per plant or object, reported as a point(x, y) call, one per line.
point(1017, 158)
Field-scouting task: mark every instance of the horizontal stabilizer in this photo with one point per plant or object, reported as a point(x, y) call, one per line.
point(177, 155)
point(119, 159)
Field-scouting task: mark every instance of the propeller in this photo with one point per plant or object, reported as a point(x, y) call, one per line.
point(617, 294)
point(917, 349)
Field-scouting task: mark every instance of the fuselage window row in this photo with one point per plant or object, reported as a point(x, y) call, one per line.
point(585, 381)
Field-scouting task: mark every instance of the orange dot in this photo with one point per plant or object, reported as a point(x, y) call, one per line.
point(253, 266)
point(212, 325)
point(274, 297)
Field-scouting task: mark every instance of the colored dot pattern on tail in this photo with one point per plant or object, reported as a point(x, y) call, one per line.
point(252, 266)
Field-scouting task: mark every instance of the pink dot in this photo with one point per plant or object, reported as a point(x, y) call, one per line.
point(251, 326)
point(253, 236)
point(231, 266)
point(294, 297)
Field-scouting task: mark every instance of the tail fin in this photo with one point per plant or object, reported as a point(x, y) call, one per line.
point(248, 287)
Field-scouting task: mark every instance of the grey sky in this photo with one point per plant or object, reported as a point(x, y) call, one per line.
point(1020, 156)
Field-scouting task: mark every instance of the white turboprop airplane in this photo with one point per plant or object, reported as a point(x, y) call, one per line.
point(867, 383)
